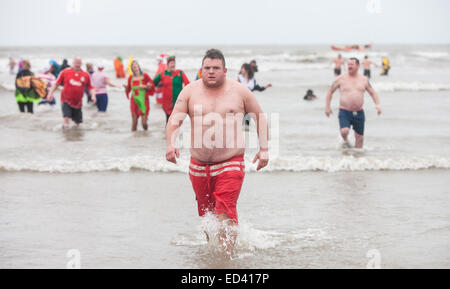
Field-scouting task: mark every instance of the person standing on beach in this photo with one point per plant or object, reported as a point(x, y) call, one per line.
point(99, 81)
point(366, 63)
point(172, 80)
point(74, 80)
point(214, 105)
point(141, 87)
point(352, 86)
point(338, 63)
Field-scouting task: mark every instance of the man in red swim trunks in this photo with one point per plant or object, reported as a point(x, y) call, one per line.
point(216, 106)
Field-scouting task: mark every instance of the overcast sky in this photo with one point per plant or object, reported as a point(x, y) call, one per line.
point(246, 22)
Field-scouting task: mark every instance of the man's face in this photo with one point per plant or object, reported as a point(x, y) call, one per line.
point(352, 66)
point(213, 72)
point(77, 63)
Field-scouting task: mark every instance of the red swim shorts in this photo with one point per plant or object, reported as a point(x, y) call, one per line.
point(217, 186)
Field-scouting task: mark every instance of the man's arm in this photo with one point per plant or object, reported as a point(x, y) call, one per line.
point(332, 89)
point(253, 108)
point(173, 125)
point(51, 91)
point(374, 96)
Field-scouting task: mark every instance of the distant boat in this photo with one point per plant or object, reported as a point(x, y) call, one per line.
point(351, 47)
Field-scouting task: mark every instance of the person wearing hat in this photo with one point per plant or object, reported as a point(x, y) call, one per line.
point(99, 81)
point(172, 80)
point(162, 66)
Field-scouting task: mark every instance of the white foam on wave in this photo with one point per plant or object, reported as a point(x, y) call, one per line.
point(410, 86)
point(278, 164)
point(431, 54)
point(382, 86)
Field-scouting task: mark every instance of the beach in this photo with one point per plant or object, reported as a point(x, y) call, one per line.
point(144, 220)
point(109, 193)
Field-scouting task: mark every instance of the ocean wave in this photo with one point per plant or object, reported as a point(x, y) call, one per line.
point(431, 54)
point(278, 164)
point(383, 86)
point(410, 86)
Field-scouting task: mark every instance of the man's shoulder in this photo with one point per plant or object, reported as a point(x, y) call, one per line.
point(192, 88)
point(236, 85)
point(363, 78)
point(341, 78)
point(194, 85)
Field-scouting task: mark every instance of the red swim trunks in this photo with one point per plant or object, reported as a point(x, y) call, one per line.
point(217, 186)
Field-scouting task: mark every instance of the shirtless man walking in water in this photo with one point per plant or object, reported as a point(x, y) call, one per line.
point(216, 107)
point(338, 63)
point(352, 87)
point(366, 63)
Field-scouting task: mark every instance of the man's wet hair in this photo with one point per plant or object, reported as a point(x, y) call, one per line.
point(214, 54)
point(355, 59)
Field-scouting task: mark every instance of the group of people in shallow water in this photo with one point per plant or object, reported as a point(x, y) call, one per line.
point(166, 85)
point(216, 174)
point(339, 63)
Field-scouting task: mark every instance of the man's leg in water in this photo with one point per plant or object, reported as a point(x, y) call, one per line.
point(217, 189)
point(227, 232)
point(344, 124)
point(66, 122)
point(359, 140)
point(344, 133)
point(358, 127)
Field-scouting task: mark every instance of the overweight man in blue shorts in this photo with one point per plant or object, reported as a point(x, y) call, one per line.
point(352, 86)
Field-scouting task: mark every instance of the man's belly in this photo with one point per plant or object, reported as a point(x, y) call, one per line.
point(215, 155)
point(351, 103)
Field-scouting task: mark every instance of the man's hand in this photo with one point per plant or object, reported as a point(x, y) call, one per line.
point(171, 153)
point(378, 109)
point(328, 111)
point(50, 98)
point(263, 157)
